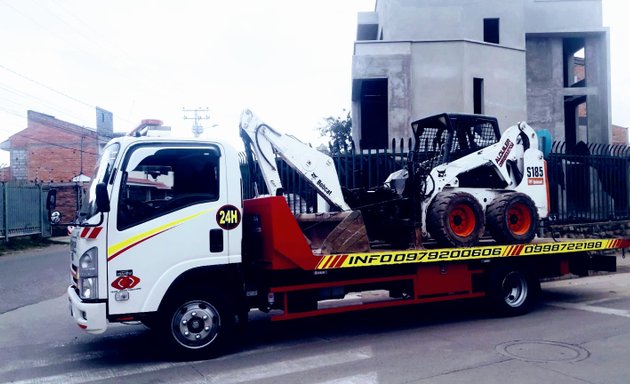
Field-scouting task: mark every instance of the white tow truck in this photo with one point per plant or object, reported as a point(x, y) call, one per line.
point(166, 238)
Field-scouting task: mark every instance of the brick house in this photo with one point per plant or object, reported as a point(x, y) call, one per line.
point(51, 150)
point(619, 135)
point(58, 153)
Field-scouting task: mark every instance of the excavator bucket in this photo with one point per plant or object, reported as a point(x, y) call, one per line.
point(335, 232)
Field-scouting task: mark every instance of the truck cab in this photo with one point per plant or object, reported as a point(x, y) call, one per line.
point(123, 263)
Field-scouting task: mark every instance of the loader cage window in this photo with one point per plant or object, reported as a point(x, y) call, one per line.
point(157, 181)
point(447, 137)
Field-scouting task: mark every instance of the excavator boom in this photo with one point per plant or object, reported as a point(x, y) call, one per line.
point(317, 168)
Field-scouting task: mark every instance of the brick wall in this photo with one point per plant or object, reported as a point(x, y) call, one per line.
point(51, 150)
point(619, 135)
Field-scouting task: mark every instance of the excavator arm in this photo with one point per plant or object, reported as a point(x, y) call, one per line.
point(317, 168)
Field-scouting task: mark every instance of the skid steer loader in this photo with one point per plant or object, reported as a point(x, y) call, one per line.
point(463, 177)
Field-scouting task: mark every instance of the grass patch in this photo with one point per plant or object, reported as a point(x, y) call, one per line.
point(26, 242)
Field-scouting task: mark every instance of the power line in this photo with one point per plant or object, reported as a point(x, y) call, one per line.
point(56, 91)
point(45, 86)
point(95, 32)
point(13, 113)
point(45, 103)
point(65, 41)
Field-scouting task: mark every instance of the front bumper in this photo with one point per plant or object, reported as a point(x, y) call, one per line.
point(91, 317)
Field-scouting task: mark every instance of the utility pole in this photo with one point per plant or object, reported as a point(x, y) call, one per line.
point(197, 129)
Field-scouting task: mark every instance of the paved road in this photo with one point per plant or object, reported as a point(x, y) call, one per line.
point(28, 277)
point(580, 333)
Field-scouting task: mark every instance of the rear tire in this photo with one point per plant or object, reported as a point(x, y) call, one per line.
point(512, 218)
point(197, 324)
point(513, 290)
point(455, 219)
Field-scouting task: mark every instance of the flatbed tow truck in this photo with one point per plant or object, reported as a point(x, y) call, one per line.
point(166, 237)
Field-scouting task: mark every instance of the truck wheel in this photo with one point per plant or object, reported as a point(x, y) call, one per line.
point(512, 218)
point(455, 219)
point(513, 291)
point(198, 325)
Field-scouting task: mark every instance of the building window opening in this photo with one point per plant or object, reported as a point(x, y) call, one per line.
point(574, 63)
point(575, 120)
point(491, 31)
point(478, 96)
point(374, 121)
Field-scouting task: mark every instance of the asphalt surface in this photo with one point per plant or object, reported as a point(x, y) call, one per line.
point(31, 276)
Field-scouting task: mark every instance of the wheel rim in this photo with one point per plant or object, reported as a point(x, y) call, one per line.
point(519, 219)
point(196, 324)
point(462, 220)
point(514, 287)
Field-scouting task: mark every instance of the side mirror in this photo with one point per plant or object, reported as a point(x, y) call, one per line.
point(102, 199)
point(55, 217)
point(51, 200)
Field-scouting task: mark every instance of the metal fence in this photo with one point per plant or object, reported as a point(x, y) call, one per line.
point(22, 210)
point(356, 169)
point(587, 183)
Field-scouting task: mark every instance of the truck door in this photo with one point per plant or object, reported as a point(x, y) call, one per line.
point(165, 204)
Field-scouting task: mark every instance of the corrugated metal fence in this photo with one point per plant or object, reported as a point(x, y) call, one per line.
point(23, 210)
point(588, 183)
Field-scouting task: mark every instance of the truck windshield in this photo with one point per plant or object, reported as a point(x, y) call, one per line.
point(102, 174)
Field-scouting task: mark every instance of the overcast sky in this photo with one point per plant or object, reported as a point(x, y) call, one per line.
point(288, 61)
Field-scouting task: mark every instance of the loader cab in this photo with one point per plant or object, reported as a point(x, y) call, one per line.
point(447, 137)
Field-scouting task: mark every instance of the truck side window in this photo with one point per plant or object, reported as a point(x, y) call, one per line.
point(160, 181)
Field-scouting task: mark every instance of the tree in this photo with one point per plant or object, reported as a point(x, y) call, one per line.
point(339, 132)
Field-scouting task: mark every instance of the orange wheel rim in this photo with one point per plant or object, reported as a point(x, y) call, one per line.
point(519, 219)
point(462, 220)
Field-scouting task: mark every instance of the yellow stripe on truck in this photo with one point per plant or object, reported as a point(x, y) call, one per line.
point(115, 249)
point(461, 254)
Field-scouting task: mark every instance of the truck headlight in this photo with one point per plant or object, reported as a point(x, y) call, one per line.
point(89, 288)
point(88, 274)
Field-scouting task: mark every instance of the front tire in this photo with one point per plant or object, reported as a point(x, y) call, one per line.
point(199, 325)
point(455, 219)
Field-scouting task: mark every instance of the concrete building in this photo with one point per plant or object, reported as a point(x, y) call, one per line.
point(514, 60)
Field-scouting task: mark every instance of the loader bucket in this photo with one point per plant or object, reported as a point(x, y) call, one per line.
point(335, 232)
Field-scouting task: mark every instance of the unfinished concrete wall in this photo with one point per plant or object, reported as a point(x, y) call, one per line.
point(523, 75)
point(450, 20)
point(545, 104)
point(445, 83)
point(544, 16)
point(597, 70)
point(389, 61)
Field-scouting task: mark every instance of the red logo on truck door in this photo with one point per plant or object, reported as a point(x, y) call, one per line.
point(125, 280)
point(228, 217)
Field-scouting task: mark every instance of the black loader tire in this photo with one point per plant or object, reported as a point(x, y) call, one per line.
point(455, 219)
point(512, 218)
